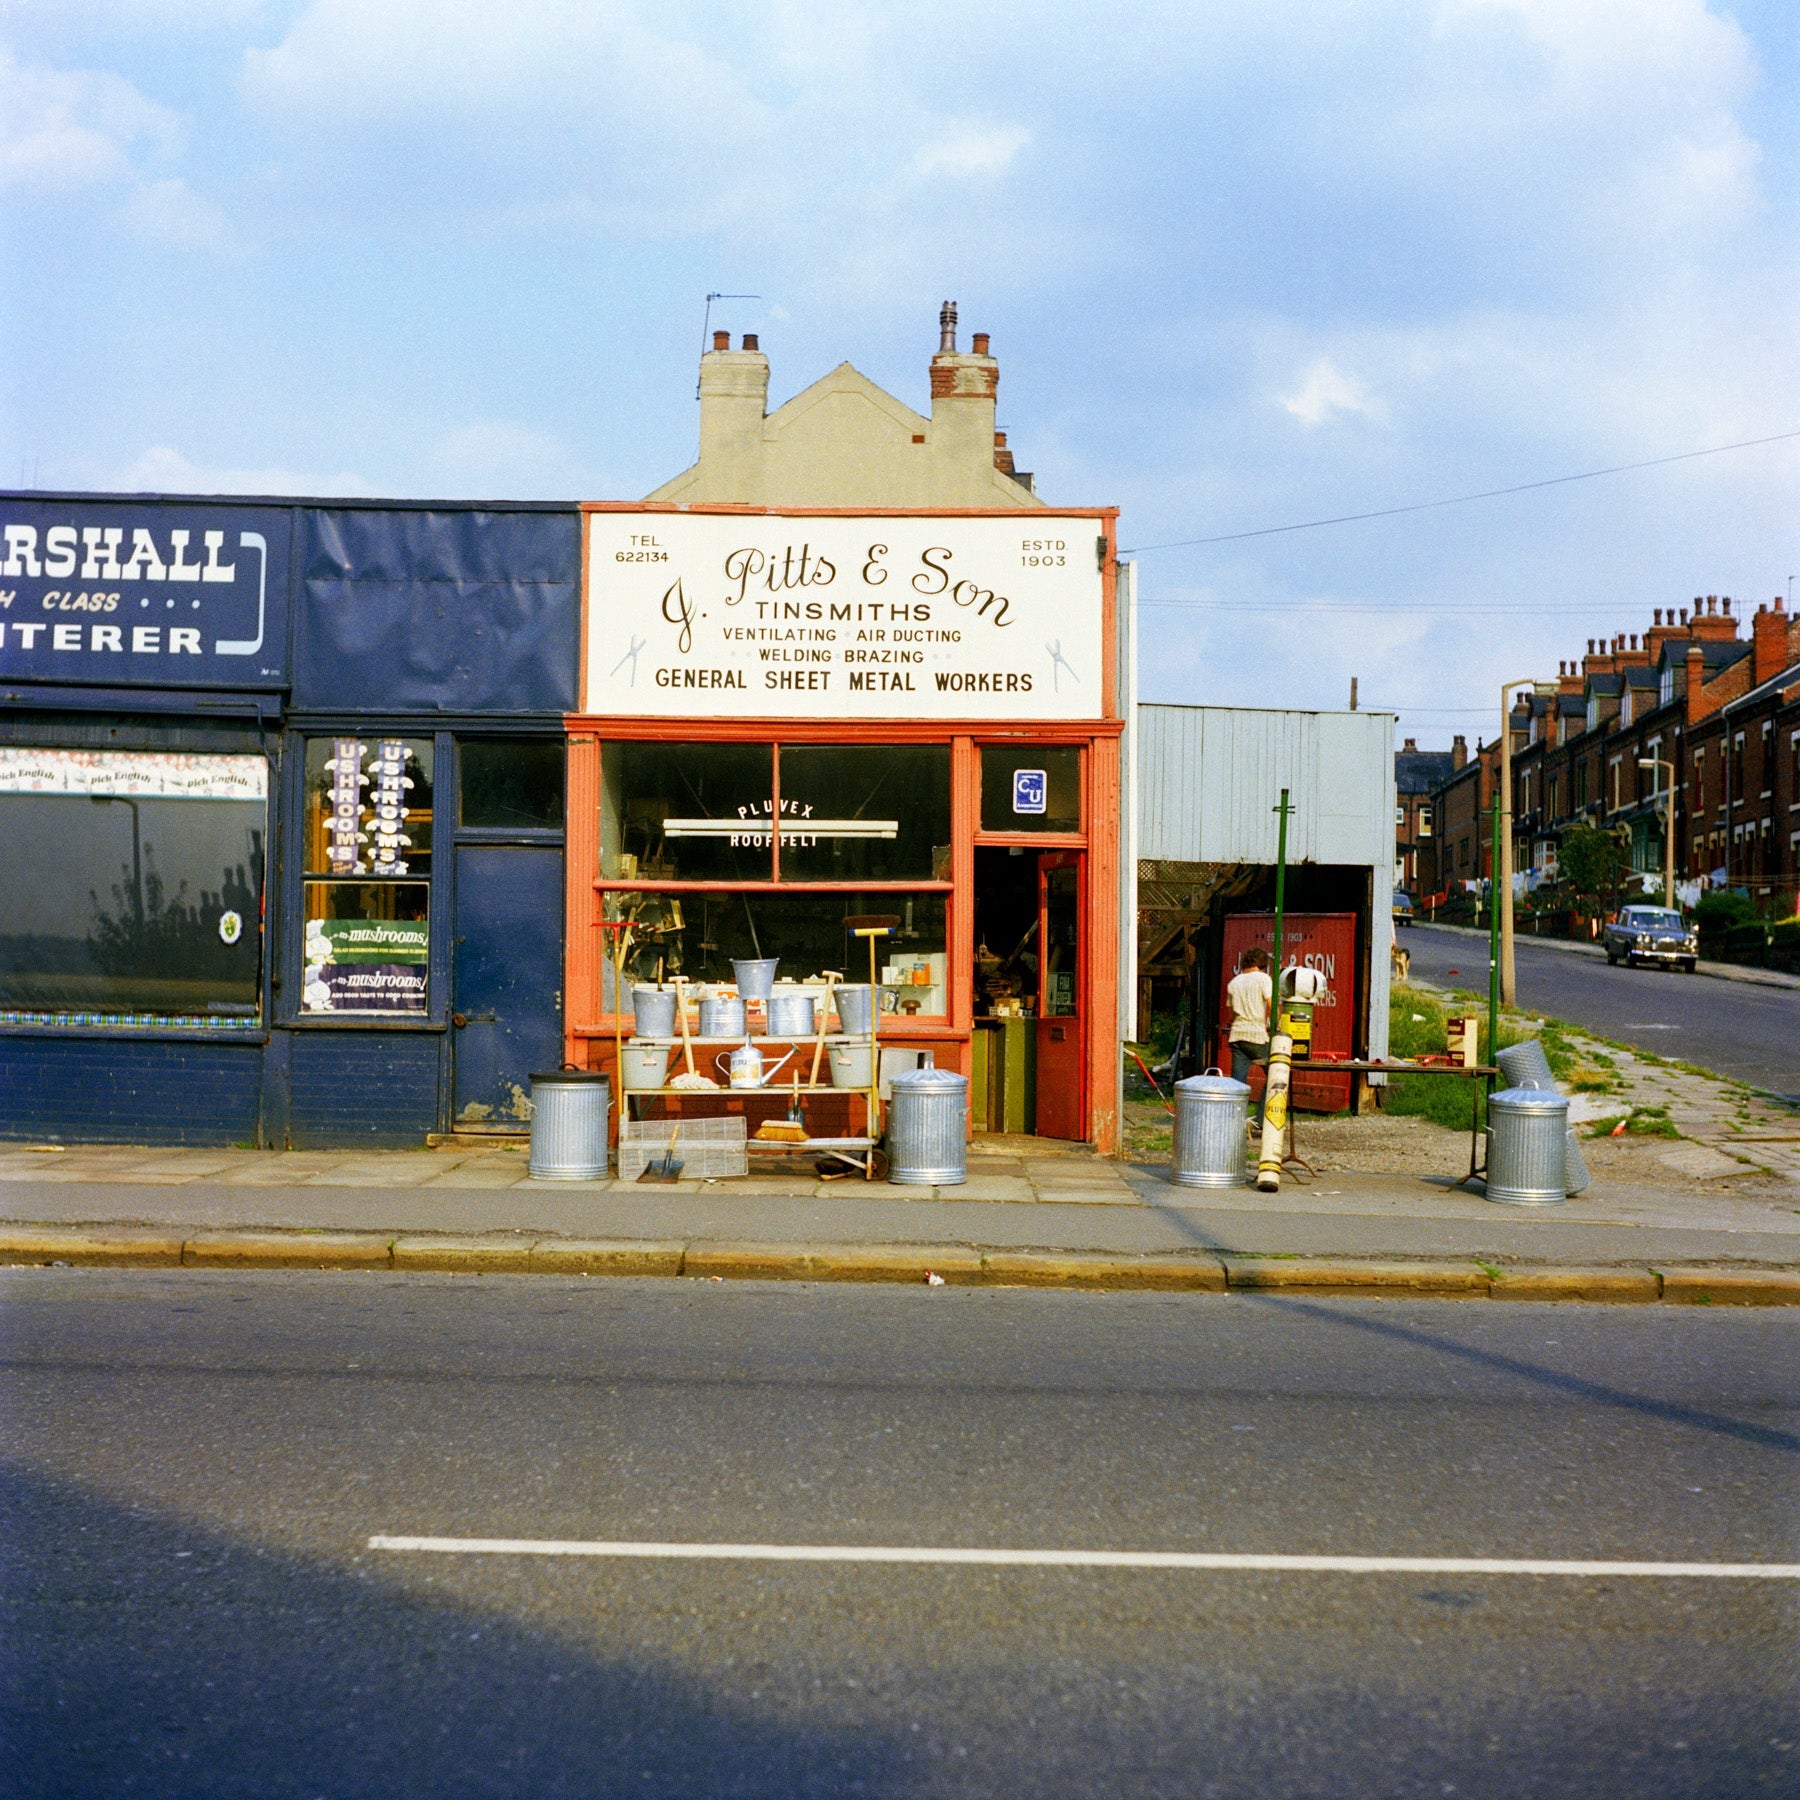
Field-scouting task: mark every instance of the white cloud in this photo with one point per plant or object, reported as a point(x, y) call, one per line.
point(972, 150)
point(63, 130)
point(492, 457)
point(170, 212)
point(1325, 389)
point(162, 469)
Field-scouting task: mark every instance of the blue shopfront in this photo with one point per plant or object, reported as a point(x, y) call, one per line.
point(281, 790)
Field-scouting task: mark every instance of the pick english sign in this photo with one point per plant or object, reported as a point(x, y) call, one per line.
point(143, 594)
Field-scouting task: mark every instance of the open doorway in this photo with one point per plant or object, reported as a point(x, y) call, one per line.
point(1028, 1050)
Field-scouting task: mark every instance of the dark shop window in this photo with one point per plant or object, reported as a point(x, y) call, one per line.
point(368, 856)
point(133, 891)
point(1030, 789)
point(687, 812)
point(872, 812)
point(511, 783)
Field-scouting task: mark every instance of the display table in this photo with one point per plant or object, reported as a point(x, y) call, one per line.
point(859, 1152)
point(1479, 1072)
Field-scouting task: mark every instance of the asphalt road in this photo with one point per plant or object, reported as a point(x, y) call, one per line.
point(194, 1465)
point(1750, 1033)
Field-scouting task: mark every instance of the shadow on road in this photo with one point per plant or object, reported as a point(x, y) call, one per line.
point(144, 1655)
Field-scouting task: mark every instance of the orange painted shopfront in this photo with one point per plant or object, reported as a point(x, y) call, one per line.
point(798, 720)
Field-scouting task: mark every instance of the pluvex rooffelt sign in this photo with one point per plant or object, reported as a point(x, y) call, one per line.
point(143, 594)
point(878, 616)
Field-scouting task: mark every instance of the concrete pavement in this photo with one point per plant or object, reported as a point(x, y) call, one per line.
point(413, 1209)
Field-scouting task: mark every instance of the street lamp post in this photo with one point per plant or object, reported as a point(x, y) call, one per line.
point(1657, 762)
point(1503, 895)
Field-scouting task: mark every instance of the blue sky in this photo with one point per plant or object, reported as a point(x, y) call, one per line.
point(1243, 265)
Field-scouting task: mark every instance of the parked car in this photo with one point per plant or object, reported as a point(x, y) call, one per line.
point(1650, 934)
point(1403, 907)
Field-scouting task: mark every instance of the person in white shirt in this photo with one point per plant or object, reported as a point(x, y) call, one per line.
point(1249, 995)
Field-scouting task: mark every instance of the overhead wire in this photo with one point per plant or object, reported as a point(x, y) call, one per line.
point(1523, 487)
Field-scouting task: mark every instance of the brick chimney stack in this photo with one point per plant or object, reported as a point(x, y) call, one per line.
point(1659, 634)
point(1459, 753)
point(734, 395)
point(963, 393)
point(1772, 638)
point(1714, 625)
point(1696, 708)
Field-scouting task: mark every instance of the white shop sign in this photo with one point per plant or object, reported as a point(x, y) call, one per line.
point(757, 615)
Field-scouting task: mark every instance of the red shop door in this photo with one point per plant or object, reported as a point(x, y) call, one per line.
point(1060, 1064)
point(1323, 941)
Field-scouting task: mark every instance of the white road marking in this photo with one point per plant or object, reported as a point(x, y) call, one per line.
point(1085, 1559)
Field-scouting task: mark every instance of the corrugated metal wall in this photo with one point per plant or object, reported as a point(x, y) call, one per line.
point(1209, 778)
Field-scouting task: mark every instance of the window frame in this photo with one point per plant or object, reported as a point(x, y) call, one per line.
point(242, 1028)
point(291, 967)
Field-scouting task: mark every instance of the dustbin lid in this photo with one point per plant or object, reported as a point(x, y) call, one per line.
point(568, 1077)
point(930, 1081)
point(1217, 1086)
point(1530, 1100)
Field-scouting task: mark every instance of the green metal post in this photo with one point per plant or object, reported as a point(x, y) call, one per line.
point(1284, 809)
point(1494, 937)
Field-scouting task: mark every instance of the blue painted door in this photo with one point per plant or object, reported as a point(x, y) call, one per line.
point(507, 970)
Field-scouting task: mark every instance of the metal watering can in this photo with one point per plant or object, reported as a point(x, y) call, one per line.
point(745, 1065)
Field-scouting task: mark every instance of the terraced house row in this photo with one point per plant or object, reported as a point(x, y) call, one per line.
point(1693, 705)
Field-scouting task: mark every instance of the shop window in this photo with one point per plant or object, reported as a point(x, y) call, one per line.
point(140, 901)
point(368, 863)
point(699, 936)
point(687, 812)
point(511, 784)
point(873, 812)
point(1030, 789)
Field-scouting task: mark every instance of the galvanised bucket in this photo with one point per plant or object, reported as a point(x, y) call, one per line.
point(1528, 1137)
point(1211, 1118)
point(790, 1015)
point(855, 1007)
point(755, 978)
point(721, 1016)
point(927, 1129)
point(653, 1010)
point(570, 1110)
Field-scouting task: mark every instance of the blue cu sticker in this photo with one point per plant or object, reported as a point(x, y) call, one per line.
point(1030, 791)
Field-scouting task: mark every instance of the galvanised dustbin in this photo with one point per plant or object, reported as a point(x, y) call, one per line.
point(1528, 1134)
point(1525, 1065)
point(927, 1129)
point(1211, 1119)
point(570, 1112)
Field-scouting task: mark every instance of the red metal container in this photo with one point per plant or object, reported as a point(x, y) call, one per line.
point(1322, 941)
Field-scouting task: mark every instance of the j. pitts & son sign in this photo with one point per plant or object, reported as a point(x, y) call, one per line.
point(747, 615)
point(169, 594)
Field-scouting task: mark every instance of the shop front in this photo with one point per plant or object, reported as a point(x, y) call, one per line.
point(282, 793)
point(879, 744)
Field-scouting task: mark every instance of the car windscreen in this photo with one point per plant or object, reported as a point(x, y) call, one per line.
point(1651, 918)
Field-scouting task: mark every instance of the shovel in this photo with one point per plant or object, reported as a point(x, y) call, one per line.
point(666, 1167)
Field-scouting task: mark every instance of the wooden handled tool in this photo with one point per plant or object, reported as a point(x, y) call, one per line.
point(832, 978)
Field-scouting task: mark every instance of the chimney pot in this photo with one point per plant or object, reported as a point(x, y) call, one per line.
point(1725, 606)
point(1590, 647)
point(750, 342)
point(947, 328)
point(1412, 744)
point(721, 340)
point(1658, 619)
point(1634, 640)
point(1776, 603)
point(1684, 615)
point(1712, 605)
point(979, 343)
